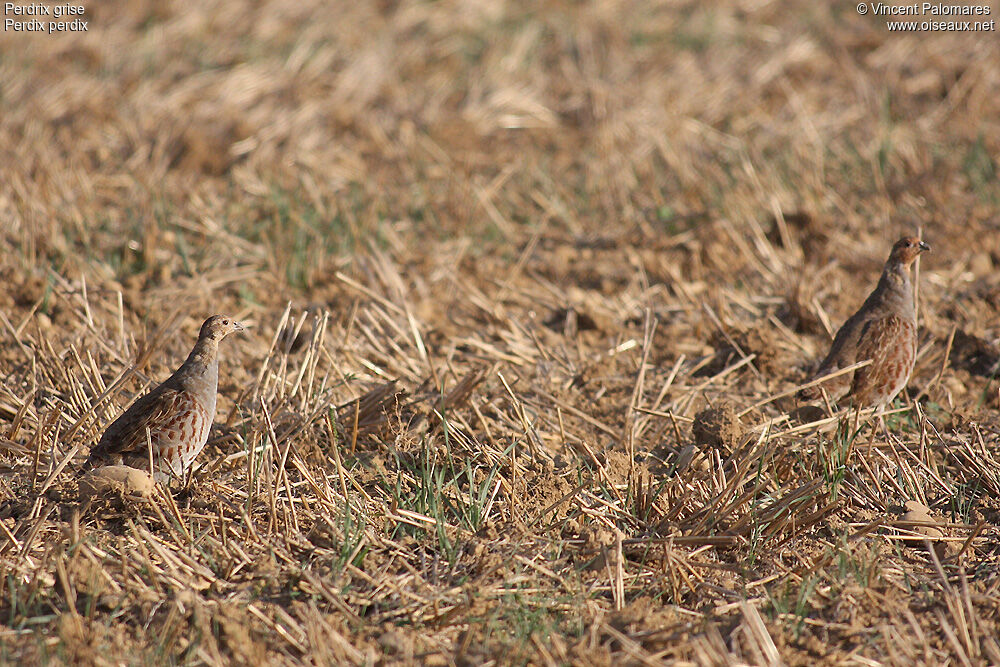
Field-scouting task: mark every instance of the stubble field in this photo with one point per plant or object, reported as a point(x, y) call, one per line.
point(531, 289)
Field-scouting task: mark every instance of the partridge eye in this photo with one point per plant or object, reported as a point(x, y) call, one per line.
point(226, 322)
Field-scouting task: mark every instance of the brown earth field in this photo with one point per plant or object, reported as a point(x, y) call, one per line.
point(531, 288)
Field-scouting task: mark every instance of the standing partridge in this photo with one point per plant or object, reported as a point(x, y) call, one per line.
point(178, 414)
point(884, 330)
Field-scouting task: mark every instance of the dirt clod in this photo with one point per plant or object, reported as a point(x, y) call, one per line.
point(920, 513)
point(975, 355)
point(717, 427)
point(116, 480)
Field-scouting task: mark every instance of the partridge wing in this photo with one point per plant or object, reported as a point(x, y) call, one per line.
point(127, 434)
point(880, 342)
point(843, 352)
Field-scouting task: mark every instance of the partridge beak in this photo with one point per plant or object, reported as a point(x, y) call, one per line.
point(239, 326)
point(924, 247)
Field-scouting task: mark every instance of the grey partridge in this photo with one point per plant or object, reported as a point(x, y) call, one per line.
point(178, 413)
point(884, 330)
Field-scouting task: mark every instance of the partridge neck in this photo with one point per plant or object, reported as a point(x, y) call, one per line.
point(895, 288)
point(201, 370)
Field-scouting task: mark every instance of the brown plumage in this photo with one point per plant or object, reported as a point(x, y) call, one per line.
point(178, 413)
point(883, 330)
